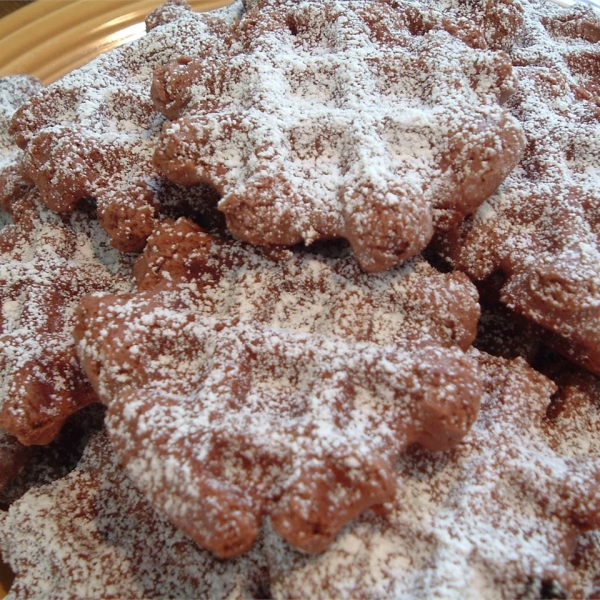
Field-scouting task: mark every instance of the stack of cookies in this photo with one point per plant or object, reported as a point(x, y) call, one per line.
point(302, 299)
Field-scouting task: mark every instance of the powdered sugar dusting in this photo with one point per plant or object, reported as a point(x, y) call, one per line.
point(264, 395)
point(498, 22)
point(573, 425)
point(575, 415)
point(14, 91)
point(495, 517)
point(92, 535)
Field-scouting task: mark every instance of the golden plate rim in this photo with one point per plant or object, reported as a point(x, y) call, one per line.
point(49, 38)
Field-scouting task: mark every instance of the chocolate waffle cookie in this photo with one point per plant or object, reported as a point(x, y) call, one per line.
point(540, 231)
point(93, 535)
point(47, 263)
point(242, 383)
point(14, 91)
point(275, 401)
point(355, 120)
point(574, 421)
point(496, 517)
point(92, 133)
point(495, 24)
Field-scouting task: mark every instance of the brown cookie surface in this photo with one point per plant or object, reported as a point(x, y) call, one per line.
point(574, 422)
point(496, 24)
point(499, 516)
point(93, 535)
